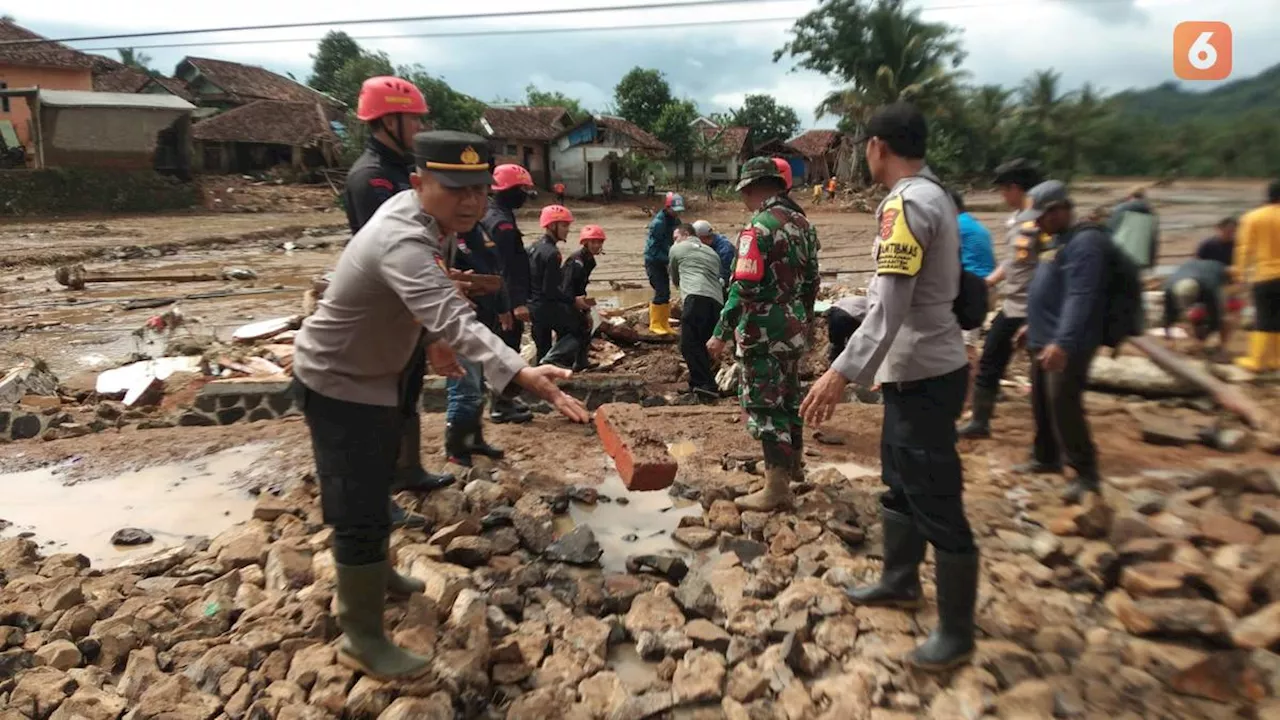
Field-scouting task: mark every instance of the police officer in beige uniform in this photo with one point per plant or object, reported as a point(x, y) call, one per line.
point(910, 342)
point(390, 287)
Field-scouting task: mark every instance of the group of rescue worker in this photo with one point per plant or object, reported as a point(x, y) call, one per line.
point(437, 274)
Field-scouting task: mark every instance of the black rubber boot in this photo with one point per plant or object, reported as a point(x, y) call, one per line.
point(505, 410)
point(362, 591)
point(477, 445)
point(410, 475)
point(456, 445)
point(984, 404)
point(899, 584)
point(951, 642)
point(403, 518)
point(1079, 487)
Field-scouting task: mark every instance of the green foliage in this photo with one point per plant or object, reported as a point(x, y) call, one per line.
point(636, 167)
point(544, 98)
point(766, 118)
point(674, 127)
point(450, 109)
point(335, 50)
point(345, 83)
point(63, 191)
point(641, 96)
point(1170, 104)
point(136, 60)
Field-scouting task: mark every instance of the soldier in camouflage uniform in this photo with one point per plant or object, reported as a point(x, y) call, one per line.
point(767, 312)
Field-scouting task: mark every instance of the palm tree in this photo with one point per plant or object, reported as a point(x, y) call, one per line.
point(134, 59)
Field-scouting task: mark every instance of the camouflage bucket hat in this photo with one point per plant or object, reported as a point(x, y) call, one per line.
point(758, 168)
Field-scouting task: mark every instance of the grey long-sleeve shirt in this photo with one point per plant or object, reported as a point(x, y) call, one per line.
point(910, 331)
point(390, 285)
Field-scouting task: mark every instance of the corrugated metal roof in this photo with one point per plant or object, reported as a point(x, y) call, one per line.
point(86, 98)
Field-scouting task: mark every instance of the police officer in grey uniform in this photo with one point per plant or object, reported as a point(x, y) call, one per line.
point(390, 287)
point(910, 342)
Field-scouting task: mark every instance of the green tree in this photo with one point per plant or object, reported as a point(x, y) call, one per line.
point(545, 98)
point(346, 82)
point(335, 50)
point(707, 146)
point(641, 96)
point(675, 128)
point(766, 118)
point(136, 60)
point(450, 109)
point(881, 51)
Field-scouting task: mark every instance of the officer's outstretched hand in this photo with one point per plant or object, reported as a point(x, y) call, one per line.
point(824, 395)
point(540, 381)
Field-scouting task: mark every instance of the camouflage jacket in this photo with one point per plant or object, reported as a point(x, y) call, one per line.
point(774, 284)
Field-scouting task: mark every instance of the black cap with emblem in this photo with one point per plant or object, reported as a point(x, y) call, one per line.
point(456, 159)
point(903, 128)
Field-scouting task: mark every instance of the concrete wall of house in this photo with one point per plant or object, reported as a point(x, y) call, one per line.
point(579, 165)
point(719, 169)
point(17, 111)
point(121, 138)
point(532, 154)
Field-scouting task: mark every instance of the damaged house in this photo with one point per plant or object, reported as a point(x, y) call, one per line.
point(523, 135)
point(590, 153)
point(260, 119)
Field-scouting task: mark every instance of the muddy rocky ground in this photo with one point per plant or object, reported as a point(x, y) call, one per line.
point(555, 592)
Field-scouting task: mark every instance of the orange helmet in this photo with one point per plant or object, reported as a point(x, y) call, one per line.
point(784, 169)
point(386, 95)
point(554, 214)
point(511, 175)
point(591, 232)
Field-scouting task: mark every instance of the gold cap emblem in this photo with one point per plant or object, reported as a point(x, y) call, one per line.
point(470, 156)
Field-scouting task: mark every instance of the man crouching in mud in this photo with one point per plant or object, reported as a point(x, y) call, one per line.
point(391, 285)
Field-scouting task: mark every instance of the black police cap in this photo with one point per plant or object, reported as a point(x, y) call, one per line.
point(456, 159)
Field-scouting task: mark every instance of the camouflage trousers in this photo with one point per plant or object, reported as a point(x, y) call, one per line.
point(769, 391)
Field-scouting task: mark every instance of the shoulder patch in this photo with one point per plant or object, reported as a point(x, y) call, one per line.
point(506, 226)
point(898, 252)
point(750, 265)
point(381, 183)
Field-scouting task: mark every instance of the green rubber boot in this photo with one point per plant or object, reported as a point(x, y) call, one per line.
point(362, 596)
point(400, 586)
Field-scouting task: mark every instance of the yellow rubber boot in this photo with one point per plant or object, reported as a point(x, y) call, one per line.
point(1259, 355)
point(660, 319)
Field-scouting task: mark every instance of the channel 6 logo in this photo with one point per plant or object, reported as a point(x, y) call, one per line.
point(1202, 50)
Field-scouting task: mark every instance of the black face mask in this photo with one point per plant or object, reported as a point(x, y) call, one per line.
point(513, 198)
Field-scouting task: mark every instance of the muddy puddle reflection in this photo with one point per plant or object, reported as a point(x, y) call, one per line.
point(173, 502)
point(631, 523)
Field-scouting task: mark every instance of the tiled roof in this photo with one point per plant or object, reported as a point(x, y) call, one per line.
point(639, 137)
point(732, 141)
point(298, 124)
point(527, 123)
point(175, 86)
point(246, 83)
point(815, 142)
point(122, 79)
point(42, 54)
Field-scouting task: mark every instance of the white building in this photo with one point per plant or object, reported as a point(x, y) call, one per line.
point(720, 153)
point(588, 155)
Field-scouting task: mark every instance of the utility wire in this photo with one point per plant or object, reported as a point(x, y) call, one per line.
point(462, 34)
point(412, 19)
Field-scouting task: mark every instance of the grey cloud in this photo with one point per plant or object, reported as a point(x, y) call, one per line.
point(1124, 11)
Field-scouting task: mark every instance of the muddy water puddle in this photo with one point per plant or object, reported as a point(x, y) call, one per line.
point(631, 523)
point(173, 502)
point(624, 298)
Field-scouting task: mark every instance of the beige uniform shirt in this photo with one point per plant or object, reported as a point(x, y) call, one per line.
point(389, 286)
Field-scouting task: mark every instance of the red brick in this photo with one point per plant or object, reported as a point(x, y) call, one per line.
point(642, 464)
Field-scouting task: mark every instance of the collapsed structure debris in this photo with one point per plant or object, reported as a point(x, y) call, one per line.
point(76, 277)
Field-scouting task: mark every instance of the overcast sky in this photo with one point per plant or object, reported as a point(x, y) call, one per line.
point(1115, 44)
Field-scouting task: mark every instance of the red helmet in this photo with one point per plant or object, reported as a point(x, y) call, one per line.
point(784, 169)
point(1234, 305)
point(554, 214)
point(591, 232)
point(511, 175)
point(1197, 314)
point(386, 95)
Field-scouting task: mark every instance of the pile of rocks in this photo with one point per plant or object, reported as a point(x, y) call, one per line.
point(521, 622)
point(1190, 562)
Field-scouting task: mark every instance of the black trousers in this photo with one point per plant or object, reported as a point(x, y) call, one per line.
point(514, 336)
point(552, 322)
point(355, 448)
point(697, 321)
point(918, 458)
point(1057, 401)
point(1266, 303)
point(997, 351)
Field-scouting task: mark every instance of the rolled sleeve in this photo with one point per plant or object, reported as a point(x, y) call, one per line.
point(430, 296)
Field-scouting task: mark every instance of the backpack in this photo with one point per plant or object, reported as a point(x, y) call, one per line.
point(1123, 316)
point(970, 305)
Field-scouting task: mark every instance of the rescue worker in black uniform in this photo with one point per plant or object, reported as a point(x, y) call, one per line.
point(573, 350)
point(512, 187)
point(473, 252)
point(551, 307)
point(393, 109)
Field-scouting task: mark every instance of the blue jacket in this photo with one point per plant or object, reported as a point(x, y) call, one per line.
point(727, 253)
point(661, 231)
point(1068, 293)
point(976, 252)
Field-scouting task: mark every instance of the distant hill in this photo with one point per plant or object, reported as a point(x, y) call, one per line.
point(1172, 104)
